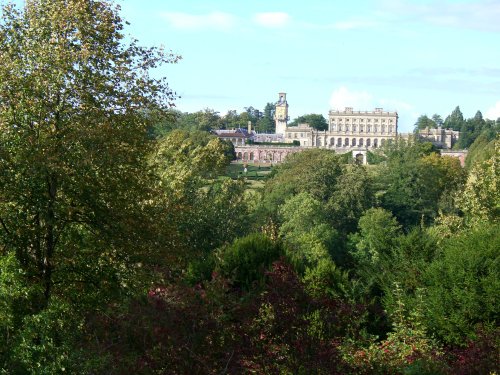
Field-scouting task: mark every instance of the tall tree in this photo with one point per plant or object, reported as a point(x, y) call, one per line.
point(424, 122)
point(76, 102)
point(437, 119)
point(266, 123)
point(455, 120)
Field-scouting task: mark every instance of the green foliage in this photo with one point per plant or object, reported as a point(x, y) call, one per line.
point(481, 150)
point(480, 200)
point(77, 202)
point(245, 260)
point(375, 157)
point(414, 182)
point(378, 231)
point(326, 279)
point(407, 349)
point(315, 121)
point(455, 120)
point(463, 285)
point(424, 122)
point(351, 196)
point(306, 229)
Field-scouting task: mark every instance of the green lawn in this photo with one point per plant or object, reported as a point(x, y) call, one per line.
point(254, 172)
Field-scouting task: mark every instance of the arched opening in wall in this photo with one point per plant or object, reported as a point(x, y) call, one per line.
point(358, 159)
point(360, 142)
point(251, 156)
point(245, 156)
point(383, 128)
point(239, 156)
point(375, 142)
point(353, 142)
point(319, 142)
point(382, 142)
point(368, 142)
point(332, 141)
point(346, 142)
point(339, 142)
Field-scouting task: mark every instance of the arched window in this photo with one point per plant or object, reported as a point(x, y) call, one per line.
point(346, 142)
point(319, 142)
point(360, 142)
point(368, 142)
point(339, 142)
point(375, 142)
point(353, 142)
point(251, 156)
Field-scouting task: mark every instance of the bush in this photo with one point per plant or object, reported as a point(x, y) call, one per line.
point(463, 285)
point(247, 258)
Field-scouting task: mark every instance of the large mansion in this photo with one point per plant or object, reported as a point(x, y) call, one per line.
point(348, 131)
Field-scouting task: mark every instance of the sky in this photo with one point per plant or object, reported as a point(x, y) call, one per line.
point(413, 57)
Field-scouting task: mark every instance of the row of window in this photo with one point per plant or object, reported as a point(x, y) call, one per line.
point(360, 120)
point(350, 142)
point(354, 128)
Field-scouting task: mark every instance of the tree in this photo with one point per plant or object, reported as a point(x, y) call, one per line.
point(266, 124)
point(315, 121)
point(424, 122)
point(306, 229)
point(437, 119)
point(76, 198)
point(378, 231)
point(202, 211)
point(463, 284)
point(415, 180)
point(480, 200)
point(455, 120)
point(481, 150)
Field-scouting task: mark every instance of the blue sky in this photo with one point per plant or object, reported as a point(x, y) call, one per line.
point(416, 57)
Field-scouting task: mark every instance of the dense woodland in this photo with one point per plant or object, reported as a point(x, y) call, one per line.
point(126, 249)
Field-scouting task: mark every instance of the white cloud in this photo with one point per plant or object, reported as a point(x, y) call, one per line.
point(213, 20)
point(272, 19)
point(479, 15)
point(494, 112)
point(343, 97)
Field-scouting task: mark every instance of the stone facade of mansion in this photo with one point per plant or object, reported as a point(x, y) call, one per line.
point(348, 130)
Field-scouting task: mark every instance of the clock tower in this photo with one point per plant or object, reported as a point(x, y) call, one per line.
point(281, 114)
